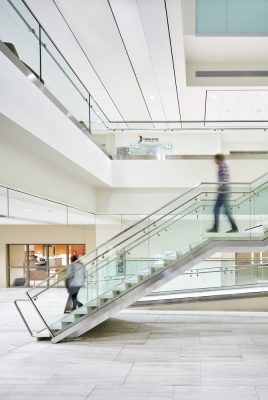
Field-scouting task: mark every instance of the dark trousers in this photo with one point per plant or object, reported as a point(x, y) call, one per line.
point(223, 200)
point(76, 303)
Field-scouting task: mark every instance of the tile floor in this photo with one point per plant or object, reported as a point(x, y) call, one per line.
point(160, 355)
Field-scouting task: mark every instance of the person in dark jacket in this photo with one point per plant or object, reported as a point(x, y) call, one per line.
point(74, 280)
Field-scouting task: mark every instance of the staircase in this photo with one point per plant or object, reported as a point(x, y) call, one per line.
point(150, 253)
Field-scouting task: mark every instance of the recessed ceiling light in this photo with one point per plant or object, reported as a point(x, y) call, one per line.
point(259, 110)
point(151, 97)
point(228, 110)
point(27, 210)
point(214, 96)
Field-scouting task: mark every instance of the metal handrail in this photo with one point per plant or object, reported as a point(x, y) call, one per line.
point(56, 47)
point(142, 220)
point(24, 319)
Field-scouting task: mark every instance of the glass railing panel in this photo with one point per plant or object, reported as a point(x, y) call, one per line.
point(103, 140)
point(20, 31)
point(146, 249)
point(258, 183)
point(202, 197)
point(130, 219)
point(212, 275)
point(107, 226)
point(245, 275)
point(136, 258)
point(35, 209)
point(102, 285)
point(240, 209)
point(63, 83)
point(144, 226)
point(98, 116)
point(259, 209)
point(51, 298)
point(80, 217)
point(4, 206)
point(50, 304)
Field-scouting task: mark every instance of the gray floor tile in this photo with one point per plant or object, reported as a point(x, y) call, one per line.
point(139, 355)
point(262, 392)
point(254, 352)
point(243, 373)
point(131, 392)
point(94, 373)
point(203, 327)
point(215, 393)
point(260, 340)
point(161, 327)
point(225, 338)
point(211, 352)
point(163, 373)
point(145, 353)
point(172, 339)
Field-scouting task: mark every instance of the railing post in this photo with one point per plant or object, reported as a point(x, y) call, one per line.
point(8, 202)
point(89, 113)
point(40, 53)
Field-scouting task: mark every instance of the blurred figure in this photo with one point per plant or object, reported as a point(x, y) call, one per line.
point(74, 280)
point(223, 195)
point(140, 139)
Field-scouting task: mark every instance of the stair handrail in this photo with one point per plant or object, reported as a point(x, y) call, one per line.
point(140, 221)
point(170, 202)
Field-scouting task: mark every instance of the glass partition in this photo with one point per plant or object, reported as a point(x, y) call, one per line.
point(36, 209)
point(18, 263)
point(63, 83)
point(215, 277)
point(30, 264)
point(20, 32)
point(4, 203)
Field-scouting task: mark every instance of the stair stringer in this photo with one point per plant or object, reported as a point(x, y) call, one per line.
point(179, 267)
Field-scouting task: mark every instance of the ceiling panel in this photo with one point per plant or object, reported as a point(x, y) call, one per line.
point(95, 28)
point(121, 50)
point(154, 21)
point(52, 21)
point(131, 28)
point(237, 105)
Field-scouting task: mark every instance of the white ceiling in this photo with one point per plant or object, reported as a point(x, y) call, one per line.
point(138, 59)
point(237, 105)
point(124, 47)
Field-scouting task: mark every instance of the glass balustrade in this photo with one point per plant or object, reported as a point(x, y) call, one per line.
point(21, 32)
point(145, 249)
point(41, 60)
point(214, 276)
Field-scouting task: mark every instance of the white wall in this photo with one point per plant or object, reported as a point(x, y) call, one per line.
point(22, 102)
point(134, 201)
point(31, 166)
point(180, 173)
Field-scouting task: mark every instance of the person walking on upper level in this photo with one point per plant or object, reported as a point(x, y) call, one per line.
point(223, 195)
